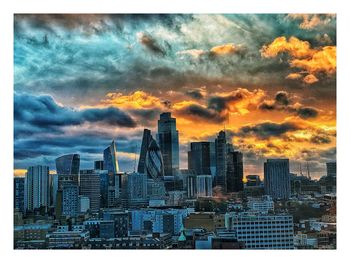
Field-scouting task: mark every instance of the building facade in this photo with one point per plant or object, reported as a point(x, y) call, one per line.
point(234, 178)
point(277, 178)
point(221, 161)
point(90, 187)
point(168, 139)
point(68, 165)
point(146, 140)
point(18, 193)
point(110, 160)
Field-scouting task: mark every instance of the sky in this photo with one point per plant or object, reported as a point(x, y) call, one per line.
point(81, 81)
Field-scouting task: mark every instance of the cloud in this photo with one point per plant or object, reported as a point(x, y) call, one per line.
point(198, 93)
point(310, 79)
point(151, 44)
point(226, 49)
point(43, 114)
point(224, 101)
point(311, 21)
point(266, 130)
point(282, 98)
point(313, 61)
point(194, 53)
point(307, 112)
point(195, 111)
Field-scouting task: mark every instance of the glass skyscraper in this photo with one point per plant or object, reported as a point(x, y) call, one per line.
point(110, 160)
point(277, 178)
point(67, 167)
point(200, 158)
point(234, 178)
point(221, 160)
point(146, 140)
point(168, 139)
point(154, 166)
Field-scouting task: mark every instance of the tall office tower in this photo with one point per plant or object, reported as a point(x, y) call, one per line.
point(134, 189)
point(201, 157)
point(204, 186)
point(110, 160)
point(98, 165)
point(36, 187)
point(53, 189)
point(70, 193)
point(221, 161)
point(234, 171)
point(253, 180)
point(331, 169)
point(277, 178)
point(90, 187)
point(262, 231)
point(146, 140)
point(154, 166)
point(67, 167)
point(18, 193)
point(168, 139)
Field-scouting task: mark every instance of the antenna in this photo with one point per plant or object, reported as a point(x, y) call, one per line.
point(301, 171)
point(308, 171)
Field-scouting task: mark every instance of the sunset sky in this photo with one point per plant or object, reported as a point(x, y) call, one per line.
point(83, 80)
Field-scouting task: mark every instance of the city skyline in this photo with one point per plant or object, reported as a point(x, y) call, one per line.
point(83, 80)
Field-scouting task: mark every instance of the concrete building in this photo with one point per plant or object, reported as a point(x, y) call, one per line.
point(259, 231)
point(262, 205)
point(120, 219)
point(134, 190)
point(18, 193)
point(36, 188)
point(70, 195)
point(83, 204)
point(277, 178)
point(90, 187)
point(63, 238)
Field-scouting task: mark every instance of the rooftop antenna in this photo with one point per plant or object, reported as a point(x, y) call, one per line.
point(308, 171)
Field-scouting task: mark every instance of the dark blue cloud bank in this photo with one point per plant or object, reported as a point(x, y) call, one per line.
point(65, 62)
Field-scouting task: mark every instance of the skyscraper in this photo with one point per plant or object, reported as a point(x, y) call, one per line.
point(154, 167)
point(331, 169)
point(168, 139)
point(134, 189)
point(200, 158)
point(36, 187)
point(70, 200)
point(90, 187)
point(277, 178)
point(110, 160)
point(221, 160)
point(234, 171)
point(18, 193)
point(68, 166)
point(204, 185)
point(98, 165)
point(146, 140)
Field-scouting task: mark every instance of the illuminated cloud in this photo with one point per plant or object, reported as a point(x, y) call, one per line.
point(310, 21)
point(313, 61)
point(226, 49)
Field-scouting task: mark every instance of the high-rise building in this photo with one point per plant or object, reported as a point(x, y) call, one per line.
point(204, 186)
point(168, 139)
point(121, 221)
point(201, 158)
point(134, 189)
point(277, 178)
point(154, 167)
point(253, 180)
point(68, 166)
point(90, 187)
point(331, 169)
point(98, 165)
point(234, 171)
point(146, 140)
point(221, 161)
point(18, 193)
point(110, 160)
point(83, 204)
point(260, 231)
point(36, 187)
point(70, 195)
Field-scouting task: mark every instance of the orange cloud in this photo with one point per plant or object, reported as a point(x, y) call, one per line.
point(310, 79)
point(311, 60)
point(323, 60)
point(294, 76)
point(195, 53)
point(226, 49)
point(19, 172)
point(310, 21)
point(136, 100)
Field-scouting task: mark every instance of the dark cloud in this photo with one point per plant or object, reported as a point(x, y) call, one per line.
point(197, 111)
point(268, 129)
point(195, 94)
point(307, 112)
point(151, 44)
point(40, 114)
point(281, 97)
point(320, 139)
point(220, 103)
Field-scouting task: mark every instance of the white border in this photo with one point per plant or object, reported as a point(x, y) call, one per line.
point(175, 6)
